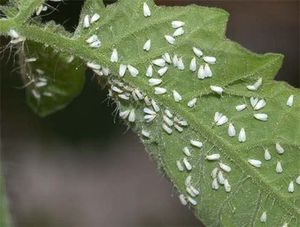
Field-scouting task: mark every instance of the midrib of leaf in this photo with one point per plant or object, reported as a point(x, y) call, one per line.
point(66, 44)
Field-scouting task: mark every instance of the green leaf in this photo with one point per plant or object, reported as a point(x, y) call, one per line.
point(253, 190)
point(53, 80)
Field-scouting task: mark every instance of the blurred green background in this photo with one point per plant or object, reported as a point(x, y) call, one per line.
point(81, 166)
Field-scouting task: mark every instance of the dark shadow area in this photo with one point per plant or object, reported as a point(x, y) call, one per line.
point(65, 13)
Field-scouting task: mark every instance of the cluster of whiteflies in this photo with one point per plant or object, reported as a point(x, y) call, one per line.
point(199, 65)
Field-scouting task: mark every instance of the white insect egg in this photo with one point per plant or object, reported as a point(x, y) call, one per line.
point(178, 128)
point(159, 62)
point(105, 71)
point(92, 39)
point(217, 116)
point(168, 113)
point(207, 71)
point(147, 45)
point(210, 59)
point(131, 117)
point(241, 107)
point(192, 102)
point(132, 70)
point(93, 65)
point(290, 101)
point(255, 163)
point(116, 89)
point(255, 86)
point(180, 64)
point(201, 72)
point(231, 130)
point(147, 101)
point(124, 96)
point(146, 10)
point(279, 148)
point(177, 97)
point(225, 167)
point(214, 172)
point(217, 89)
point(177, 24)
point(181, 122)
point(40, 84)
point(220, 177)
point(263, 217)
point(124, 114)
point(253, 101)
point(146, 133)
point(175, 60)
point(182, 199)
point(193, 65)
point(194, 190)
point(267, 155)
point(95, 18)
point(168, 121)
point(170, 39)
point(186, 151)
point(215, 184)
point(39, 10)
point(197, 52)
point(261, 116)
point(260, 104)
point(149, 118)
point(149, 111)
point(179, 165)
point(162, 71)
point(223, 120)
point(242, 136)
point(196, 143)
point(149, 71)
point(187, 164)
point(178, 32)
point(227, 186)
point(122, 70)
point(28, 60)
point(251, 88)
point(155, 106)
point(114, 56)
point(138, 94)
point(213, 157)
point(188, 181)
point(18, 40)
point(190, 192)
point(86, 21)
point(278, 168)
point(154, 82)
point(167, 58)
point(95, 44)
point(70, 59)
point(159, 90)
point(192, 201)
point(167, 129)
point(291, 187)
point(258, 83)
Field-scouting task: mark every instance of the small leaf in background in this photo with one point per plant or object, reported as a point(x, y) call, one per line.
point(54, 79)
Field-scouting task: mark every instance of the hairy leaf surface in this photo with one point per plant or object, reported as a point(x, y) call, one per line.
point(252, 189)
